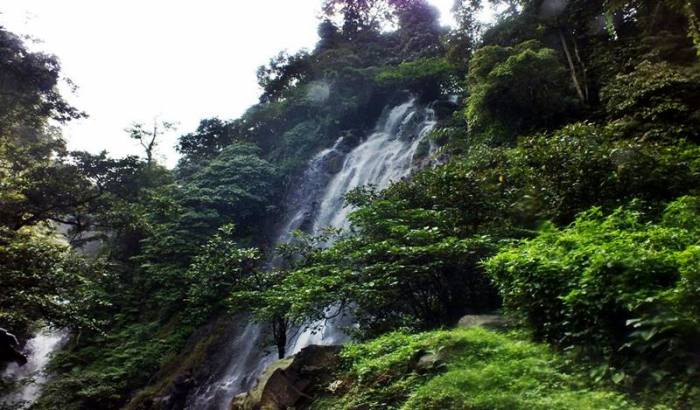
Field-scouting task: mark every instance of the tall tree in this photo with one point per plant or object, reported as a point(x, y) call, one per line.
point(148, 139)
point(358, 15)
point(40, 185)
point(28, 87)
point(464, 38)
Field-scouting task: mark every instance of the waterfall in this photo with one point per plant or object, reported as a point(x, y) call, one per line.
point(386, 156)
point(317, 201)
point(303, 201)
point(32, 376)
point(246, 356)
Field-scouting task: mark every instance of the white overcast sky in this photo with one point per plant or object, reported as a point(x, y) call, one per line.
point(177, 60)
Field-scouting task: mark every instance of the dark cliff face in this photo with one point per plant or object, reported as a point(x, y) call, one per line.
point(10, 349)
point(196, 377)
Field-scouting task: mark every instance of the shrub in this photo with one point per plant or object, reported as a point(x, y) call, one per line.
point(551, 176)
point(618, 285)
point(656, 101)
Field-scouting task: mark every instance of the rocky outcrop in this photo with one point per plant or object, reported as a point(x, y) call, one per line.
point(290, 382)
point(494, 322)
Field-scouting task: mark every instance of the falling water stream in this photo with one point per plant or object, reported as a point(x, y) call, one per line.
point(32, 376)
point(317, 202)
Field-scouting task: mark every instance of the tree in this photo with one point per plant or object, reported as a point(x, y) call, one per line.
point(328, 34)
point(427, 77)
point(40, 182)
point(210, 138)
point(516, 89)
point(148, 139)
point(405, 267)
point(28, 88)
point(239, 185)
point(282, 73)
point(358, 15)
point(268, 295)
point(462, 41)
point(226, 275)
point(656, 101)
point(259, 295)
point(418, 28)
point(654, 13)
point(220, 268)
point(42, 280)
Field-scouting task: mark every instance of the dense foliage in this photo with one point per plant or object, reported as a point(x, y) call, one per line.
point(516, 89)
point(620, 286)
point(565, 188)
point(41, 279)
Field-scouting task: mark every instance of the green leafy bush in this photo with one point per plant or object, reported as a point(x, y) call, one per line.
point(620, 286)
point(42, 280)
point(549, 176)
point(218, 269)
point(560, 174)
point(656, 101)
point(101, 371)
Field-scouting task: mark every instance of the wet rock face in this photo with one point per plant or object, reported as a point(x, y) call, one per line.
point(9, 349)
point(290, 382)
point(177, 394)
point(334, 163)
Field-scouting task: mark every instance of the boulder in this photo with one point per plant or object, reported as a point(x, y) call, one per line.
point(289, 382)
point(429, 362)
point(334, 163)
point(496, 322)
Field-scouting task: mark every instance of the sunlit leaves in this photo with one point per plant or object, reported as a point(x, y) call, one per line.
point(619, 285)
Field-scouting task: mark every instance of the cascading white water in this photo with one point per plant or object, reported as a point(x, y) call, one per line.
point(318, 201)
point(386, 156)
point(32, 376)
point(302, 202)
point(246, 357)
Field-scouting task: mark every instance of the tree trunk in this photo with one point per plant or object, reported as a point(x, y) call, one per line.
point(572, 68)
point(584, 71)
point(279, 333)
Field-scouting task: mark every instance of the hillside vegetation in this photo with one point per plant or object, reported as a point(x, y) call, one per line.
point(562, 190)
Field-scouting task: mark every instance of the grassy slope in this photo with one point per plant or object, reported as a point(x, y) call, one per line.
point(479, 369)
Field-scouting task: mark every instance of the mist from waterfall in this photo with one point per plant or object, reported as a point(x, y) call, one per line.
point(317, 201)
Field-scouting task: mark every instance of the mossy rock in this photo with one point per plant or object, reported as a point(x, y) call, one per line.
point(288, 382)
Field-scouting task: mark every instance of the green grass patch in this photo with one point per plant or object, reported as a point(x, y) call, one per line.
point(475, 369)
